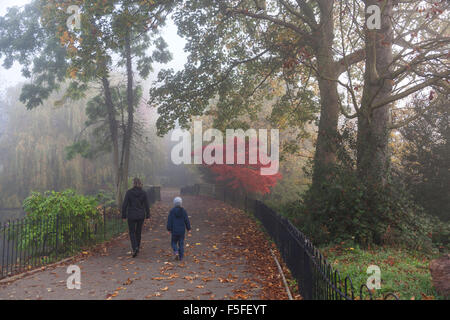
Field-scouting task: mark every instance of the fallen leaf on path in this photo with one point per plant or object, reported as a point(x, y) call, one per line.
point(207, 279)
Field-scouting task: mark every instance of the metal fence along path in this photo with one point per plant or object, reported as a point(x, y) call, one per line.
point(316, 278)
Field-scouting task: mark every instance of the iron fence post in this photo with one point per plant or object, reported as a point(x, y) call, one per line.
point(22, 249)
point(14, 246)
point(38, 239)
point(3, 248)
point(7, 246)
point(57, 236)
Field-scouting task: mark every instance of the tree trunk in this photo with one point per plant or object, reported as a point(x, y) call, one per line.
point(114, 137)
point(130, 110)
point(373, 133)
point(325, 155)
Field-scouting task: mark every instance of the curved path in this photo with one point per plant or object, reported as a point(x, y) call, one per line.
point(227, 257)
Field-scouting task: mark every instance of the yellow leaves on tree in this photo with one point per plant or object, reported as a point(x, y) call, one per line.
point(73, 72)
point(64, 38)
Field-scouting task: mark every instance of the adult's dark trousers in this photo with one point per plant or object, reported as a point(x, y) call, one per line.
point(135, 231)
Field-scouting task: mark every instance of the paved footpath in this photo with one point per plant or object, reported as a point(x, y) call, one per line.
point(226, 257)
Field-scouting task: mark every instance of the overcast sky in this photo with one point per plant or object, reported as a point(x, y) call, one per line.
point(11, 76)
point(176, 44)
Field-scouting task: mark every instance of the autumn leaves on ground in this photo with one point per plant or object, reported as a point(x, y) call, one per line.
point(227, 257)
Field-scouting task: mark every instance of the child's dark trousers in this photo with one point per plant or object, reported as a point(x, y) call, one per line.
point(178, 244)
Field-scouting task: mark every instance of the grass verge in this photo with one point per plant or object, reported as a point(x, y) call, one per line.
point(403, 272)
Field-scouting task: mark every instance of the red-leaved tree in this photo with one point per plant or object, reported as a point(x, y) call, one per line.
point(247, 176)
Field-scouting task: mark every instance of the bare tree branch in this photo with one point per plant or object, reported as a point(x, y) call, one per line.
point(411, 90)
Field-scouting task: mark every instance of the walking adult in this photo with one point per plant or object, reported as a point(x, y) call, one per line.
point(135, 209)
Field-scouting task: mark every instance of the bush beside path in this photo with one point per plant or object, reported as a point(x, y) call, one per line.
point(227, 256)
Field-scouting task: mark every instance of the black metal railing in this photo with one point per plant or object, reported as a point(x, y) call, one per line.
point(30, 242)
point(316, 278)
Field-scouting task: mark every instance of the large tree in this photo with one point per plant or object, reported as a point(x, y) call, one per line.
point(406, 56)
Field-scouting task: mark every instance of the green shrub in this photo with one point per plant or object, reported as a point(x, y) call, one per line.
point(63, 217)
point(343, 209)
point(106, 198)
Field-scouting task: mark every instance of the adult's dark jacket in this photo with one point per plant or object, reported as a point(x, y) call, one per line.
point(178, 221)
point(135, 205)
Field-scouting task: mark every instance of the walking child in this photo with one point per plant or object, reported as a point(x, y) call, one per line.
point(177, 224)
